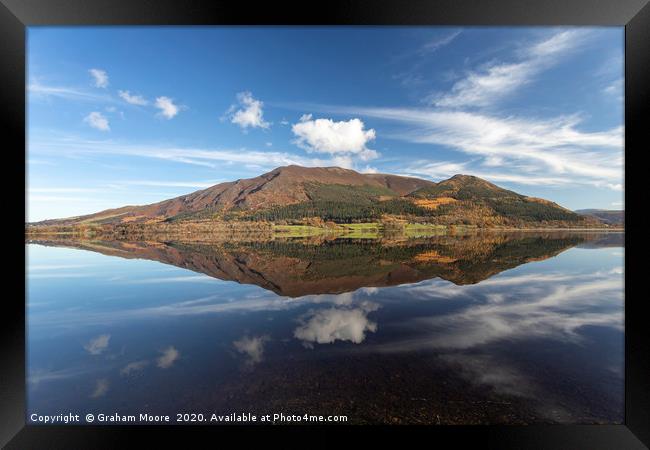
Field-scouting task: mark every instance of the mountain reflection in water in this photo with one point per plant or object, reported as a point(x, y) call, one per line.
point(295, 268)
point(449, 329)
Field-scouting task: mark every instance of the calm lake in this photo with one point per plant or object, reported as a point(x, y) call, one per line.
point(477, 329)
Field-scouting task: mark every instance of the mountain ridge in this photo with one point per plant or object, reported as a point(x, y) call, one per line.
point(608, 216)
point(290, 194)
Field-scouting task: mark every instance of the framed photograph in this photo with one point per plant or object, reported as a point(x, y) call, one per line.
point(383, 218)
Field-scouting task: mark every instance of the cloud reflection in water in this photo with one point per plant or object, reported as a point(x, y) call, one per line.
point(325, 326)
point(554, 306)
point(252, 347)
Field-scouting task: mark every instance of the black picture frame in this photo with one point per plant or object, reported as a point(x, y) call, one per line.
point(16, 15)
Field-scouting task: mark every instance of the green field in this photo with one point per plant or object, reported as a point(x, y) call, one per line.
point(366, 230)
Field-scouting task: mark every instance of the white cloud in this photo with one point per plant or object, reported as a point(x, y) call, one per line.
point(490, 83)
point(329, 325)
point(344, 138)
point(100, 78)
point(169, 356)
point(249, 114)
point(97, 120)
point(134, 99)
point(97, 345)
point(252, 347)
point(167, 107)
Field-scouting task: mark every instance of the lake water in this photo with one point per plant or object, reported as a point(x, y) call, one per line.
point(491, 329)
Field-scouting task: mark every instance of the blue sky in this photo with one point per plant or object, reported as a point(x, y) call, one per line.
point(135, 115)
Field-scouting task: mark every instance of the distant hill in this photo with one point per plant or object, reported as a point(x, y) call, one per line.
point(608, 216)
point(295, 194)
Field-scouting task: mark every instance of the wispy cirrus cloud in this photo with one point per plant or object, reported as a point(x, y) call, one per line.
point(413, 74)
point(72, 146)
point(164, 183)
point(61, 190)
point(554, 151)
point(436, 44)
point(493, 81)
point(46, 202)
point(37, 90)
point(35, 193)
point(167, 107)
point(615, 90)
point(518, 149)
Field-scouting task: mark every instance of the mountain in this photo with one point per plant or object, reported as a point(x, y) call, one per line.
point(295, 194)
point(608, 216)
point(282, 186)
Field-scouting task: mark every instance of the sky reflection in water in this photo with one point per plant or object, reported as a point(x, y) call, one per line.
point(540, 341)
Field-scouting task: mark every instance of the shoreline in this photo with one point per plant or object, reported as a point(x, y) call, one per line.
point(221, 230)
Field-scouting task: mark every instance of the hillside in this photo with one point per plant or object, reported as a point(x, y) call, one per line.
point(294, 194)
point(608, 216)
point(282, 186)
point(468, 200)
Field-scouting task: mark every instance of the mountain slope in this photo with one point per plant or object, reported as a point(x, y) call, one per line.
point(293, 194)
point(472, 200)
point(462, 187)
point(282, 186)
point(608, 216)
